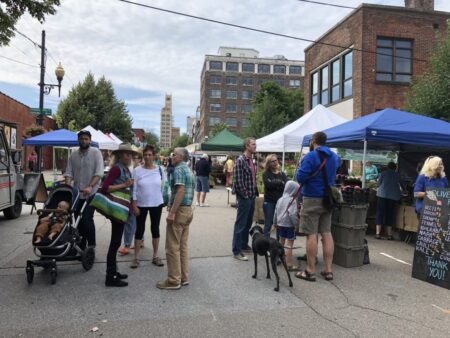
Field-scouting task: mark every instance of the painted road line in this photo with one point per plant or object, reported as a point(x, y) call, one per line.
point(395, 259)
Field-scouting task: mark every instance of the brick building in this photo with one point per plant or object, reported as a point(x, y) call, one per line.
point(383, 49)
point(16, 117)
point(231, 79)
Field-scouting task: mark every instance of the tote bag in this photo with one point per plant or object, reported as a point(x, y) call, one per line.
point(114, 205)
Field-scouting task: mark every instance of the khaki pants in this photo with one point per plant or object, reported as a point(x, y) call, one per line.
point(177, 246)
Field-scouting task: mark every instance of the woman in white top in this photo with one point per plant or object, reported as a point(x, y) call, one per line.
point(147, 198)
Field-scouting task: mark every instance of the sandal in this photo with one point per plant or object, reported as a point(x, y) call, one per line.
point(293, 268)
point(157, 261)
point(134, 264)
point(310, 277)
point(327, 275)
point(377, 236)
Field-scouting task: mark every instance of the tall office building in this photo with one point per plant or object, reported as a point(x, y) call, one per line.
point(230, 80)
point(165, 138)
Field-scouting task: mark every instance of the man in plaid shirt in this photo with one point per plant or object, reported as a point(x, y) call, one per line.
point(246, 190)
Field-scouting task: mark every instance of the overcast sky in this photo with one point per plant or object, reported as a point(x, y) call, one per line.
point(147, 53)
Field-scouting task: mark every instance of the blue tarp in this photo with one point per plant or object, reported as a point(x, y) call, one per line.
point(57, 138)
point(389, 129)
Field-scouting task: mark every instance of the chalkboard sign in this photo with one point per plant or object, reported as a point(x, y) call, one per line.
point(432, 255)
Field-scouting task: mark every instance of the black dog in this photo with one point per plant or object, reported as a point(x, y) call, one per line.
point(262, 246)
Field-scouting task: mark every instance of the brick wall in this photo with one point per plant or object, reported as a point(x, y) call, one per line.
point(17, 113)
point(360, 30)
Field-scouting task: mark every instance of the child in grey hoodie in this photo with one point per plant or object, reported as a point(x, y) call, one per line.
point(286, 218)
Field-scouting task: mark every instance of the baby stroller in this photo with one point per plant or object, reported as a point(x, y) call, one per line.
point(66, 245)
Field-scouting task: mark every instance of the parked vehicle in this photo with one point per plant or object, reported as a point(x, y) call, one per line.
point(11, 181)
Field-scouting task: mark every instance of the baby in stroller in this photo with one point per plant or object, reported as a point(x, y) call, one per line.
point(54, 221)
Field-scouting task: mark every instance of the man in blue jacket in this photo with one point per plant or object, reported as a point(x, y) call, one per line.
point(314, 217)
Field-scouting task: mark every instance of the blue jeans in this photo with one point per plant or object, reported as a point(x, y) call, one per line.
point(129, 231)
point(244, 218)
point(269, 211)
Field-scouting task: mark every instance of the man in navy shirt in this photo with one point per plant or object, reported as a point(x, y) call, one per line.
point(314, 217)
point(202, 170)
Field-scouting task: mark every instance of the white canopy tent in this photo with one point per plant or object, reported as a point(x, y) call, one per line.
point(104, 142)
point(115, 138)
point(289, 138)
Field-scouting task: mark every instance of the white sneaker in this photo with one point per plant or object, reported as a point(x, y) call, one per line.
point(204, 205)
point(196, 204)
point(240, 257)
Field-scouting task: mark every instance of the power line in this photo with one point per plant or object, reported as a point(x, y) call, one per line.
point(17, 61)
point(266, 32)
point(327, 4)
point(29, 39)
point(47, 52)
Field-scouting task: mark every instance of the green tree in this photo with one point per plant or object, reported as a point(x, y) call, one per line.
point(12, 10)
point(95, 103)
point(273, 108)
point(218, 127)
point(430, 92)
point(151, 138)
point(181, 141)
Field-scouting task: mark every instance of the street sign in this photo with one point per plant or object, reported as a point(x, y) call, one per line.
point(37, 111)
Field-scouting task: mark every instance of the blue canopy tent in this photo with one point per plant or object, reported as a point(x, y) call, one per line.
point(389, 129)
point(59, 138)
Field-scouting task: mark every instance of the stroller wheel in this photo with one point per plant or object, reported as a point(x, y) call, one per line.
point(30, 273)
point(53, 276)
point(87, 258)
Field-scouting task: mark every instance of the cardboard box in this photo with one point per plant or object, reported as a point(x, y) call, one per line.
point(399, 221)
point(410, 219)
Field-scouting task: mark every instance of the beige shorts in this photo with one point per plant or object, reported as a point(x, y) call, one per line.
point(314, 218)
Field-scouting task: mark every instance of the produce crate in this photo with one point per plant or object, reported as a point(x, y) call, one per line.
point(351, 214)
point(348, 235)
point(347, 256)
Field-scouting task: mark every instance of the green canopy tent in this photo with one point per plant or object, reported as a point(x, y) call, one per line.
point(223, 141)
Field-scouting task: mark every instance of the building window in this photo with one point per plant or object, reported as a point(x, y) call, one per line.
point(244, 123)
point(215, 79)
point(214, 107)
point(231, 108)
point(394, 60)
point(279, 69)
point(231, 94)
point(215, 93)
point(295, 69)
point(294, 83)
point(263, 68)
point(216, 65)
point(232, 66)
point(335, 81)
point(246, 108)
point(247, 95)
point(231, 80)
point(212, 121)
point(247, 81)
point(248, 67)
point(261, 81)
point(279, 82)
point(231, 121)
point(324, 85)
point(348, 74)
point(315, 89)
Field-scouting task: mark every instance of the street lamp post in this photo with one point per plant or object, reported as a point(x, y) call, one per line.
point(45, 88)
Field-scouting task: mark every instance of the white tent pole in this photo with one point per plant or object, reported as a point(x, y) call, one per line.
point(284, 146)
point(363, 177)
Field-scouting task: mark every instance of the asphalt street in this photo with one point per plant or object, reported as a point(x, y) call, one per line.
point(222, 300)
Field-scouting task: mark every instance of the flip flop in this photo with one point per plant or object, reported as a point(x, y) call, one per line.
point(310, 277)
point(327, 275)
